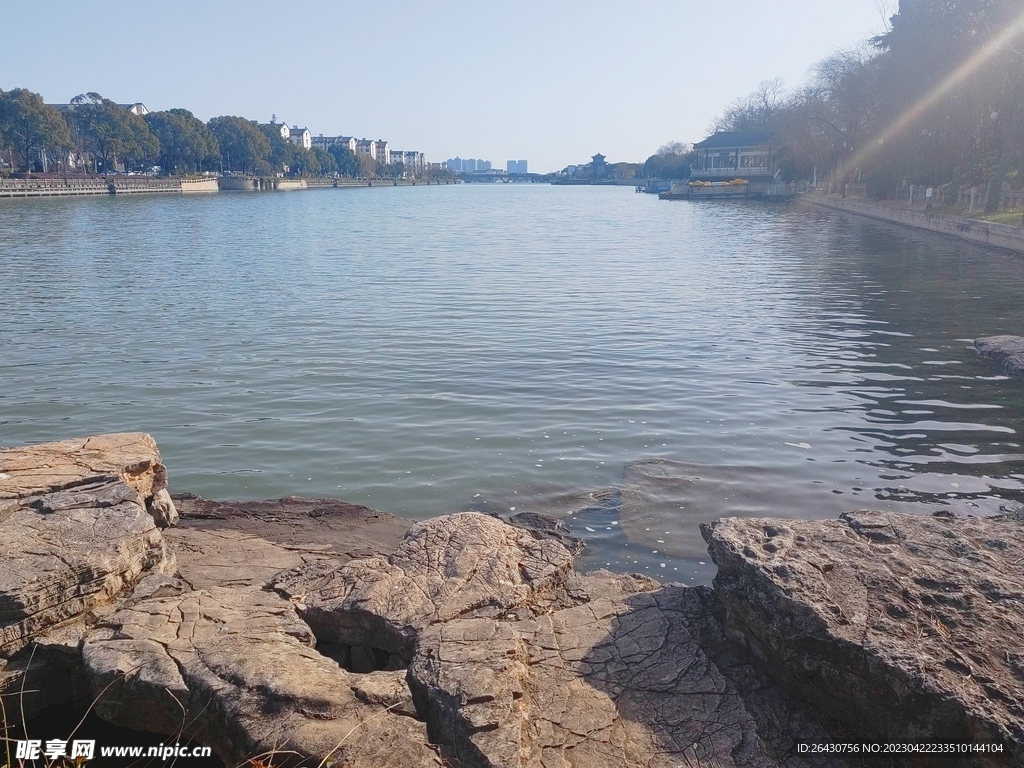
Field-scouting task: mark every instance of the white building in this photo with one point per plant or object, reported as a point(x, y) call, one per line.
point(383, 152)
point(326, 142)
point(729, 154)
point(366, 148)
point(415, 162)
point(300, 137)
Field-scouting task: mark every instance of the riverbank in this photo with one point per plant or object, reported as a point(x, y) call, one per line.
point(973, 230)
point(256, 628)
point(135, 185)
point(103, 185)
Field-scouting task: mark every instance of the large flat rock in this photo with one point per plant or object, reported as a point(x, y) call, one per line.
point(622, 680)
point(244, 543)
point(894, 627)
point(131, 457)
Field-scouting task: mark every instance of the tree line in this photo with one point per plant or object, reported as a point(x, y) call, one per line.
point(95, 134)
point(938, 98)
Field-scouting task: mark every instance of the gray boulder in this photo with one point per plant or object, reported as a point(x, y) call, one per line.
point(78, 526)
point(893, 627)
point(1008, 350)
point(458, 565)
point(67, 553)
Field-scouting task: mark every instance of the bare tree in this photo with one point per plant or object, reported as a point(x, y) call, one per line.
point(674, 148)
point(756, 110)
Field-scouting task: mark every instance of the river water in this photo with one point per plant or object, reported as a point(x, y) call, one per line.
point(634, 365)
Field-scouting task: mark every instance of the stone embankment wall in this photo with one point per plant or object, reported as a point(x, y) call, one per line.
point(199, 185)
point(130, 185)
point(984, 232)
point(111, 185)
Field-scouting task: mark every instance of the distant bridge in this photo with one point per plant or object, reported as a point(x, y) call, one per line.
point(491, 177)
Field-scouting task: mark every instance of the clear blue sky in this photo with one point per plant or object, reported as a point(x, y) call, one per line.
point(552, 81)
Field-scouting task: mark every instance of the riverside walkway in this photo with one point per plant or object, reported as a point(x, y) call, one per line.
point(134, 185)
point(103, 185)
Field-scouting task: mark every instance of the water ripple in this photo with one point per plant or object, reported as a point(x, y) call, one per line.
point(429, 349)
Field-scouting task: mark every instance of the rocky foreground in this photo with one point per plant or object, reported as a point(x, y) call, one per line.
point(316, 632)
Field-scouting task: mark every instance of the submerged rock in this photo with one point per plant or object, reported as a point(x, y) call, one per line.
point(244, 543)
point(547, 527)
point(1008, 350)
point(657, 490)
point(548, 500)
point(894, 627)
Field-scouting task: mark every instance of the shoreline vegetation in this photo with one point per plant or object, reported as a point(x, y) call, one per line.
point(932, 110)
point(93, 135)
point(934, 104)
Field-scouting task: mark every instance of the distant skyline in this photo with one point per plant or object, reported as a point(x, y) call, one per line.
point(444, 78)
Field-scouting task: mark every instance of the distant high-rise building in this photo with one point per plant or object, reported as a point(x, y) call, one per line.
point(469, 165)
point(515, 166)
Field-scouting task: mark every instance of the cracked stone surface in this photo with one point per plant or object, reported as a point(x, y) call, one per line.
point(475, 639)
point(893, 626)
point(78, 524)
point(457, 565)
point(519, 661)
point(237, 669)
point(67, 553)
point(131, 457)
point(1007, 350)
point(245, 543)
